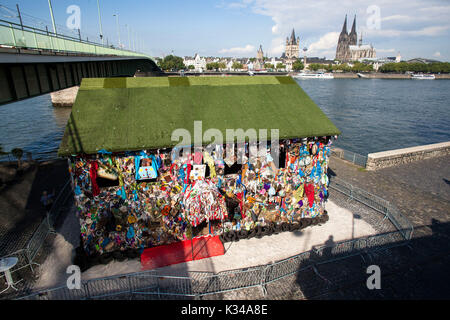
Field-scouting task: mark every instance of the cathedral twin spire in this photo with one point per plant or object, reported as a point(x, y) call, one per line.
point(345, 50)
point(345, 41)
point(352, 36)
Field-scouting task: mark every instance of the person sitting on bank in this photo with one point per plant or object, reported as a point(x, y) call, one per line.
point(47, 200)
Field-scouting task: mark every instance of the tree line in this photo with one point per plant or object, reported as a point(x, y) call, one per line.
point(174, 63)
point(402, 67)
point(344, 67)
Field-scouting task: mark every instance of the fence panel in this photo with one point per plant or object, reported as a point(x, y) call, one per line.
point(353, 157)
point(99, 288)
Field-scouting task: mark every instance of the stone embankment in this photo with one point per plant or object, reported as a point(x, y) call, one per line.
point(379, 75)
point(396, 157)
point(65, 97)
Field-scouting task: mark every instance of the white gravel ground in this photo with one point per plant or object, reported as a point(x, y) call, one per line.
point(246, 253)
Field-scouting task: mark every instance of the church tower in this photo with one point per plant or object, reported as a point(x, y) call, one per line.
point(342, 49)
point(292, 46)
point(353, 36)
point(260, 54)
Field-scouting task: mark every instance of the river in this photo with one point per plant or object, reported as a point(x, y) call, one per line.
point(373, 115)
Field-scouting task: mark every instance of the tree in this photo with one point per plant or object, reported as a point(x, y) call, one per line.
point(17, 153)
point(222, 65)
point(344, 67)
point(212, 66)
point(237, 65)
point(280, 66)
point(172, 62)
point(315, 66)
point(268, 66)
point(190, 67)
point(298, 65)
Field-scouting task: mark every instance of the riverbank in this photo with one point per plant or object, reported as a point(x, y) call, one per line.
point(379, 75)
point(390, 158)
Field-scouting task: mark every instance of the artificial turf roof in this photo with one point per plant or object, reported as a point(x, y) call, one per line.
point(127, 114)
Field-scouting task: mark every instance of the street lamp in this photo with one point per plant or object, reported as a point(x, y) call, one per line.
point(51, 14)
point(118, 29)
point(129, 41)
point(100, 21)
point(304, 59)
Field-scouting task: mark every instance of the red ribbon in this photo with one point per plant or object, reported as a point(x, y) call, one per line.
point(309, 190)
point(93, 175)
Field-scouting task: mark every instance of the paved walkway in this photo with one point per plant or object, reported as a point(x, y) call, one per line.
point(421, 190)
point(21, 210)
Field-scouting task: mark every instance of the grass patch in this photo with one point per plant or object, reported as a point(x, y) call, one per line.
point(285, 80)
point(115, 83)
point(179, 82)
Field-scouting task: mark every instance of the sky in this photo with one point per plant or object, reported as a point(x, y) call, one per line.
point(236, 28)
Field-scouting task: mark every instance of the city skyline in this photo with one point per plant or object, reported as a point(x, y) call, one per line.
point(237, 28)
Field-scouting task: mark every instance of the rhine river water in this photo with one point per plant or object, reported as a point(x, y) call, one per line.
point(373, 115)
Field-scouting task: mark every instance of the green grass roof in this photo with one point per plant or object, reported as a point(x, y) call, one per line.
point(126, 114)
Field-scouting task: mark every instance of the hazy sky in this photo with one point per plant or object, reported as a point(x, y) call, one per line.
point(415, 28)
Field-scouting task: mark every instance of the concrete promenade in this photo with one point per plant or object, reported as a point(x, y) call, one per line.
point(421, 189)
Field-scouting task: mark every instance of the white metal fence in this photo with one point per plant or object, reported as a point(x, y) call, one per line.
point(353, 157)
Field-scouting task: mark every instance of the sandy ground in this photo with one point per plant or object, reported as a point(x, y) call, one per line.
point(246, 253)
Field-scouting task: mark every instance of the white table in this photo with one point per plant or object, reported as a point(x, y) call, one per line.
point(6, 265)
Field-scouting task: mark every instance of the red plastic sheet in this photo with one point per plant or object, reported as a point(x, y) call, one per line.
point(182, 251)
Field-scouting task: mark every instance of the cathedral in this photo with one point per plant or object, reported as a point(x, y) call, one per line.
point(348, 49)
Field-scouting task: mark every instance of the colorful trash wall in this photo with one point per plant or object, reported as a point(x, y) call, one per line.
point(141, 199)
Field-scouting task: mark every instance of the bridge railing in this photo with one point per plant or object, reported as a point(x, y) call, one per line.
point(20, 36)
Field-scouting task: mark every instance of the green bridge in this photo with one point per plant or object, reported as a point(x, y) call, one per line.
point(35, 61)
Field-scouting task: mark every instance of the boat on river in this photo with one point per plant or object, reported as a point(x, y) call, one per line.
point(316, 75)
point(421, 76)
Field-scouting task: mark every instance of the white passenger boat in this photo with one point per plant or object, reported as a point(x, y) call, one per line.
point(318, 75)
point(421, 76)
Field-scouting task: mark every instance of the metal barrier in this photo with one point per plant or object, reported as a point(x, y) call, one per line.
point(390, 212)
point(198, 284)
point(353, 157)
